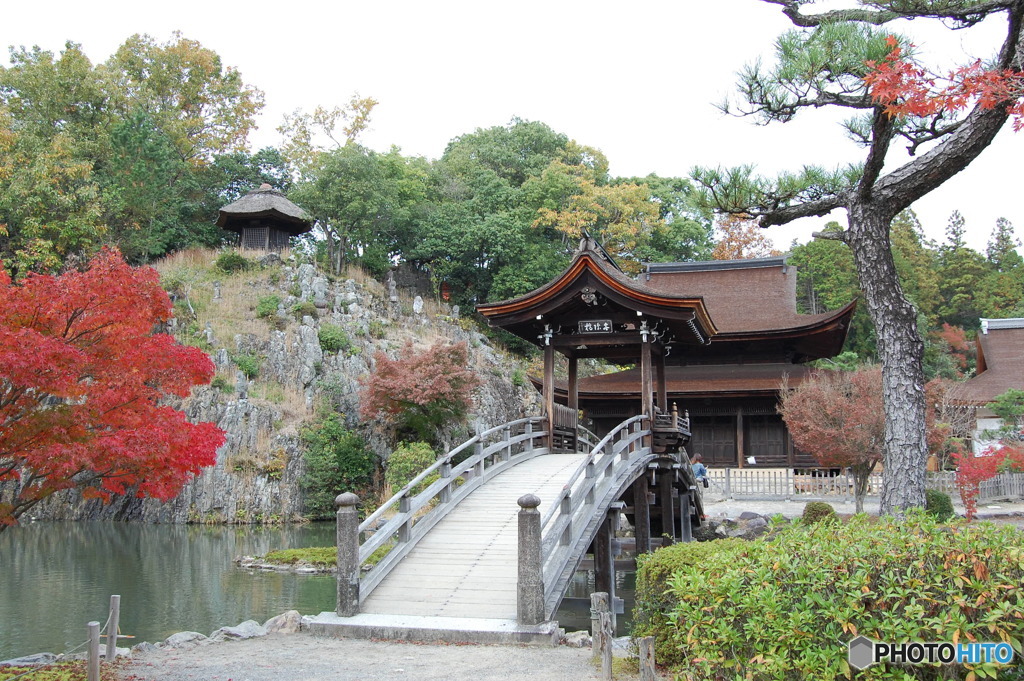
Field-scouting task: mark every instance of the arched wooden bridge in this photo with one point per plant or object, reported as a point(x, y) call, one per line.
point(467, 555)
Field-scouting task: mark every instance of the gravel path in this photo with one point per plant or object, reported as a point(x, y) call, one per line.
point(302, 657)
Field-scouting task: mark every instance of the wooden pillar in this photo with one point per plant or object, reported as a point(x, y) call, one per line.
point(574, 396)
point(646, 380)
point(685, 528)
point(661, 387)
point(604, 561)
point(549, 391)
point(740, 444)
point(641, 515)
point(668, 520)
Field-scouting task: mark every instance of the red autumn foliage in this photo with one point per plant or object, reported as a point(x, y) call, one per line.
point(960, 349)
point(82, 382)
point(838, 418)
point(906, 89)
point(971, 471)
point(420, 391)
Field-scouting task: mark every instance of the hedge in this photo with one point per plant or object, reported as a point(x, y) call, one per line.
point(785, 608)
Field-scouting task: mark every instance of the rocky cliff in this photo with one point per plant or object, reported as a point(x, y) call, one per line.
point(265, 322)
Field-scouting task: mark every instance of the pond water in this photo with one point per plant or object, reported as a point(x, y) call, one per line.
point(56, 577)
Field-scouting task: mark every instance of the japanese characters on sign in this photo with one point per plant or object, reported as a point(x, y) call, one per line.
point(596, 326)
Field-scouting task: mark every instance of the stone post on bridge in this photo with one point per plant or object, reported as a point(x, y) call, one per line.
point(348, 554)
point(530, 585)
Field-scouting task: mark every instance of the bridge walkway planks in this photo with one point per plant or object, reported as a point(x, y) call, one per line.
point(466, 566)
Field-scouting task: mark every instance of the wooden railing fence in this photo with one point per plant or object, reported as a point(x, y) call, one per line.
point(571, 517)
point(787, 484)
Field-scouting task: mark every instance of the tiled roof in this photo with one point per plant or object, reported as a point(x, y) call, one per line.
point(697, 380)
point(741, 295)
point(1000, 361)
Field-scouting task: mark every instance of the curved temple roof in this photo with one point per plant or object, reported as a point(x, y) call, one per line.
point(593, 294)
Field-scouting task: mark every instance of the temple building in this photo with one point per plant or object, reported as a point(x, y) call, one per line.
point(1000, 367)
point(264, 219)
point(715, 339)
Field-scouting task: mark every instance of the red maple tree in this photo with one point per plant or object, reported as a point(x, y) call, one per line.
point(420, 391)
point(971, 470)
point(83, 382)
point(837, 417)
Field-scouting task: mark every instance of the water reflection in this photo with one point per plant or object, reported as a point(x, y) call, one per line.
point(574, 615)
point(55, 577)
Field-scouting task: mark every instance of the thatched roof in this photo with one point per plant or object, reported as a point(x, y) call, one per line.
point(268, 205)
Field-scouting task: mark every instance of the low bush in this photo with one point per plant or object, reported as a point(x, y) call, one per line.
point(304, 309)
point(249, 365)
point(406, 462)
point(337, 460)
point(818, 511)
point(267, 306)
point(233, 261)
point(938, 504)
point(326, 556)
point(786, 608)
point(333, 338)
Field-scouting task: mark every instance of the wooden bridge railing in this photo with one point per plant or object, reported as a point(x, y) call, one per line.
point(408, 515)
point(571, 520)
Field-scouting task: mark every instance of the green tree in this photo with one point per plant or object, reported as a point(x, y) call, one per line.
point(361, 198)
point(51, 108)
point(337, 460)
point(202, 106)
point(961, 271)
point(824, 62)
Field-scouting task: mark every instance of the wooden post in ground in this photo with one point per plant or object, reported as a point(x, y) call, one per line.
point(530, 584)
point(641, 516)
point(599, 604)
point(93, 655)
point(112, 625)
point(668, 520)
point(648, 671)
point(348, 554)
point(604, 562)
point(607, 634)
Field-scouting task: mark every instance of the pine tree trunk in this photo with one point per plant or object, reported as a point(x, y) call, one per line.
point(901, 352)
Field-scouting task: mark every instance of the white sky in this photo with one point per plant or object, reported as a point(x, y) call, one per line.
point(637, 80)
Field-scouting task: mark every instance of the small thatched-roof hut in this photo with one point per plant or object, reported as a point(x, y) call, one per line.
point(264, 219)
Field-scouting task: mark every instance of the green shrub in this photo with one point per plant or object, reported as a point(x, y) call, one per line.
point(267, 306)
point(233, 261)
point(333, 339)
point(518, 378)
point(248, 365)
point(818, 511)
point(303, 309)
point(377, 328)
point(939, 505)
point(786, 608)
point(337, 460)
point(222, 384)
point(406, 462)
